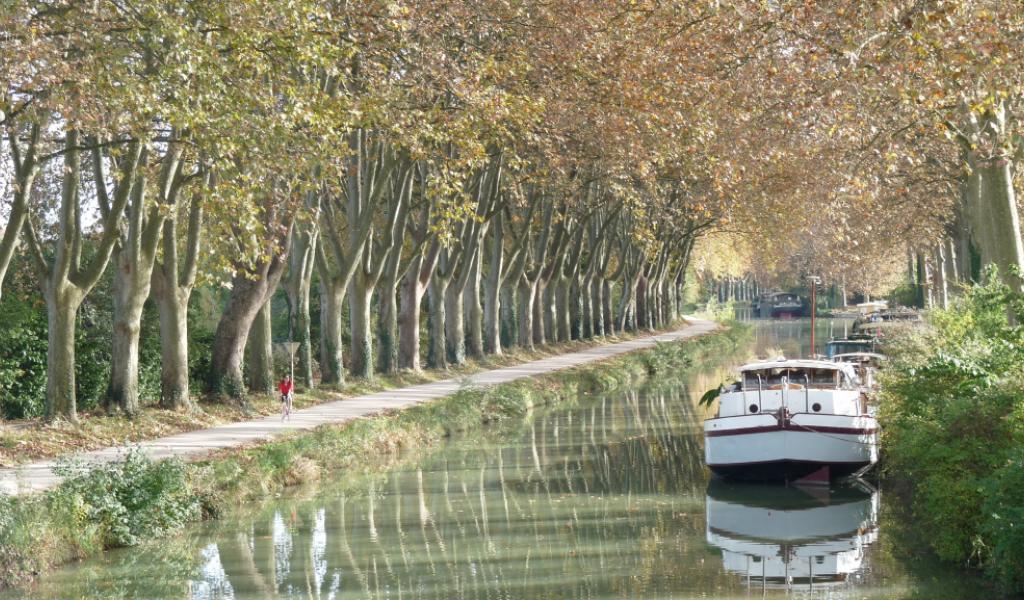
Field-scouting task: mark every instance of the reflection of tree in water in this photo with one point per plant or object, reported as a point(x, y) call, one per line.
point(604, 499)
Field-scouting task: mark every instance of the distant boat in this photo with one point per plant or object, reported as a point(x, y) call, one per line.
point(780, 305)
point(878, 323)
point(791, 537)
point(792, 420)
point(854, 343)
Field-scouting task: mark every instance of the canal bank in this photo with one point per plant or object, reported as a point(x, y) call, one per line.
point(602, 494)
point(952, 415)
point(133, 500)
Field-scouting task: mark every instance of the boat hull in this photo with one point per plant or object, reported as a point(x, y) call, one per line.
point(764, 448)
point(787, 470)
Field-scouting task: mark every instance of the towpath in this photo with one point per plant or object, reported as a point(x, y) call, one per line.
point(193, 444)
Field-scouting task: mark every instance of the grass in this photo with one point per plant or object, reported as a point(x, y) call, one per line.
point(137, 499)
point(27, 441)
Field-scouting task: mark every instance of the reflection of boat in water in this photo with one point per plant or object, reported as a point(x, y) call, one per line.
point(791, 537)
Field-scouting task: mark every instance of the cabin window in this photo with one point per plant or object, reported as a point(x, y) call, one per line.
point(769, 378)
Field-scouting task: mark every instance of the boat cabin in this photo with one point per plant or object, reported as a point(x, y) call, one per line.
point(811, 386)
point(848, 346)
point(866, 365)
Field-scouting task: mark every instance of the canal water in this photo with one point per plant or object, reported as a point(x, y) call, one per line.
point(607, 498)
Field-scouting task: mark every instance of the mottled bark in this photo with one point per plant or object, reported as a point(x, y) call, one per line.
point(172, 307)
point(249, 292)
point(25, 169)
point(359, 301)
point(123, 388)
point(437, 354)
point(953, 274)
point(260, 352)
point(297, 286)
point(454, 325)
point(527, 291)
point(561, 305)
point(62, 304)
point(585, 298)
point(65, 282)
point(384, 244)
point(642, 320)
point(509, 315)
point(492, 314)
point(547, 303)
point(539, 332)
point(409, 322)
point(939, 276)
point(607, 311)
point(597, 306)
point(332, 295)
point(172, 286)
point(134, 258)
point(474, 314)
point(413, 288)
point(387, 321)
point(1001, 243)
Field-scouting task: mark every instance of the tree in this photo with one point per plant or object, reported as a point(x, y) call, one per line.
point(65, 281)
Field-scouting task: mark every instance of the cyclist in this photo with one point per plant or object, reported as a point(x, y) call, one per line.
point(286, 388)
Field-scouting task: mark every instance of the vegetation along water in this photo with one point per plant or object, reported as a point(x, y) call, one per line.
point(198, 198)
point(602, 494)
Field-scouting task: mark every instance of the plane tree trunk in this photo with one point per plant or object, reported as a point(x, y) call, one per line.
point(134, 258)
point(250, 290)
point(991, 208)
point(346, 223)
point(25, 169)
point(371, 266)
point(297, 285)
point(497, 295)
point(260, 352)
point(172, 283)
point(413, 287)
point(64, 280)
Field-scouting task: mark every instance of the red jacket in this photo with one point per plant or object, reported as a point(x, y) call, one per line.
point(285, 386)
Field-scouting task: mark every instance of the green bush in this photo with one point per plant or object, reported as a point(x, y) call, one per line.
point(128, 501)
point(23, 368)
point(953, 427)
point(1003, 524)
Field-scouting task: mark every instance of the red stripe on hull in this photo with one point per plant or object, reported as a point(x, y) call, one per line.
point(792, 427)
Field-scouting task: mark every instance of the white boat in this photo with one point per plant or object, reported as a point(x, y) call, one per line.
point(791, 538)
point(879, 323)
point(792, 420)
point(867, 365)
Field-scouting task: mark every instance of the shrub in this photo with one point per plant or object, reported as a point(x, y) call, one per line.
point(1003, 523)
point(953, 424)
point(127, 501)
point(23, 368)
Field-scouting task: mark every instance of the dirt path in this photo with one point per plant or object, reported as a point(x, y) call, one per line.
point(40, 476)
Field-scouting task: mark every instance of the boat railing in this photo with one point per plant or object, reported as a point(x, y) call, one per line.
point(785, 394)
point(759, 388)
point(807, 393)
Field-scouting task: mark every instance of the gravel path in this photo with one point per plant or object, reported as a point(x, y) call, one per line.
point(40, 476)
